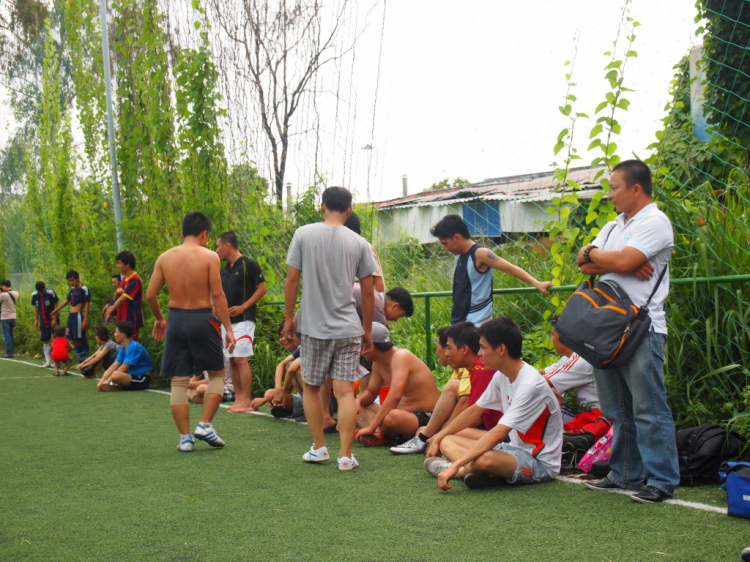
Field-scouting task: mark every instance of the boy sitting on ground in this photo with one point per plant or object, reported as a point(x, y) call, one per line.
point(60, 347)
point(460, 352)
point(132, 368)
point(412, 396)
point(102, 358)
point(531, 418)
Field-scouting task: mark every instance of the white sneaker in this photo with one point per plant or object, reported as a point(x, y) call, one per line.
point(186, 445)
point(316, 455)
point(436, 465)
point(412, 446)
point(346, 463)
point(45, 366)
point(208, 435)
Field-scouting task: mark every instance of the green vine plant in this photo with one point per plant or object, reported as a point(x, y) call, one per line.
point(567, 235)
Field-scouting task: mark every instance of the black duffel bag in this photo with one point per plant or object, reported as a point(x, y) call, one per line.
point(602, 325)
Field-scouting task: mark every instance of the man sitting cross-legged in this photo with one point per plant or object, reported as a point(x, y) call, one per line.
point(460, 352)
point(132, 368)
point(531, 418)
point(412, 396)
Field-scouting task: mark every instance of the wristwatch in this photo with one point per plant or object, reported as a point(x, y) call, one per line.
point(587, 251)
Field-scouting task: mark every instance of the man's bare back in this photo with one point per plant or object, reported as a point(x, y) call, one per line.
point(187, 271)
point(420, 392)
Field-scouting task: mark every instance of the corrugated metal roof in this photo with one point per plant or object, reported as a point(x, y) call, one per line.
point(524, 188)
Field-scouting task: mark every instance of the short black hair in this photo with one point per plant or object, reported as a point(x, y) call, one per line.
point(102, 333)
point(5, 282)
point(449, 226)
point(72, 274)
point(352, 223)
point(337, 199)
point(40, 286)
point(115, 275)
point(403, 298)
point(230, 238)
point(636, 172)
point(441, 337)
point(59, 331)
point(126, 328)
point(385, 346)
point(194, 224)
point(126, 258)
point(464, 333)
point(503, 331)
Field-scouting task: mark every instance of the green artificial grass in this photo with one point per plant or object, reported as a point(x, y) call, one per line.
point(96, 476)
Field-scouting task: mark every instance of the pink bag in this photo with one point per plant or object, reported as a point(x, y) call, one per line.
point(599, 452)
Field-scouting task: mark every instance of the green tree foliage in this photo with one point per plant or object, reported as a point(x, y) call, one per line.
point(446, 183)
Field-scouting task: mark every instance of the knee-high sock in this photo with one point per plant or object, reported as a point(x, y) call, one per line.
point(47, 349)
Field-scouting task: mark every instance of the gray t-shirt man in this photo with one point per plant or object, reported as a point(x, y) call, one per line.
point(327, 310)
point(378, 313)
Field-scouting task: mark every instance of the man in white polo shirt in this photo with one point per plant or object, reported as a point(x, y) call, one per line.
point(633, 250)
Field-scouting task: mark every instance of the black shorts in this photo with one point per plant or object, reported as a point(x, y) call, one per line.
point(423, 417)
point(192, 344)
point(138, 382)
point(45, 334)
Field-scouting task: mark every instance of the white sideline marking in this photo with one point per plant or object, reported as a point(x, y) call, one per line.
point(683, 503)
point(264, 414)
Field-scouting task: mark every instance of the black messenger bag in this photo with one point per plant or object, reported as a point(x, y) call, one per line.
point(602, 325)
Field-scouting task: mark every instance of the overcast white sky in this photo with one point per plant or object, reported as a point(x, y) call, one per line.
point(472, 89)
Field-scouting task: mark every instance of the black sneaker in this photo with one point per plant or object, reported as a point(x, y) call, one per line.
point(603, 484)
point(650, 495)
point(474, 480)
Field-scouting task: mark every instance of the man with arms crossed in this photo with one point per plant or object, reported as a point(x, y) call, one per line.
point(328, 256)
point(633, 250)
point(193, 342)
point(44, 300)
point(244, 286)
point(472, 277)
point(412, 396)
point(531, 418)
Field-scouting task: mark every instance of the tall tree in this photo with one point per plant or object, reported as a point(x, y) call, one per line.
point(282, 45)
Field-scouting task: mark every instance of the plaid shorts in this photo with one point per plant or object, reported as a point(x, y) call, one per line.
point(337, 359)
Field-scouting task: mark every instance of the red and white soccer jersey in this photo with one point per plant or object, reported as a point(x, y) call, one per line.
point(574, 372)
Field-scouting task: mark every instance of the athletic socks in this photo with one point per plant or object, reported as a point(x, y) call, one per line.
point(205, 425)
point(422, 437)
point(47, 348)
point(188, 437)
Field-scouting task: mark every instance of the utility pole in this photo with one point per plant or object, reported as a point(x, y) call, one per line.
point(111, 127)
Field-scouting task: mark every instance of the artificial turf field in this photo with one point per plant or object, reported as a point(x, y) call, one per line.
point(96, 476)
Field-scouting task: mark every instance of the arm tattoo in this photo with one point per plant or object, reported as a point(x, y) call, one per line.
point(491, 255)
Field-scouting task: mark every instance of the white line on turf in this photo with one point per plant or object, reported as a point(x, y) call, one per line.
point(694, 505)
point(264, 414)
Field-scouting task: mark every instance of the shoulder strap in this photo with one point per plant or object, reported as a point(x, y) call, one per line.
point(658, 282)
point(10, 294)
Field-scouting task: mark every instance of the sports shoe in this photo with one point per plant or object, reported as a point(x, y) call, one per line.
point(603, 484)
point(186, 445)
point(436, 465)
point(650, 495)
point(412, 446)
point(374, 440)
point(208, 435)
point(745, 554)
point(474, 480)
point(316, 455)
point(346, 463)
point(45, 366)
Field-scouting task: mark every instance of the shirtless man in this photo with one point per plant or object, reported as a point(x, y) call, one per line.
point(193, 343)
point(412, 396)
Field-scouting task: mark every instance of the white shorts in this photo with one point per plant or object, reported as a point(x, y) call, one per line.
point(244, 335)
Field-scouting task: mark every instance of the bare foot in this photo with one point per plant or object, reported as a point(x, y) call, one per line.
point(239, 407)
